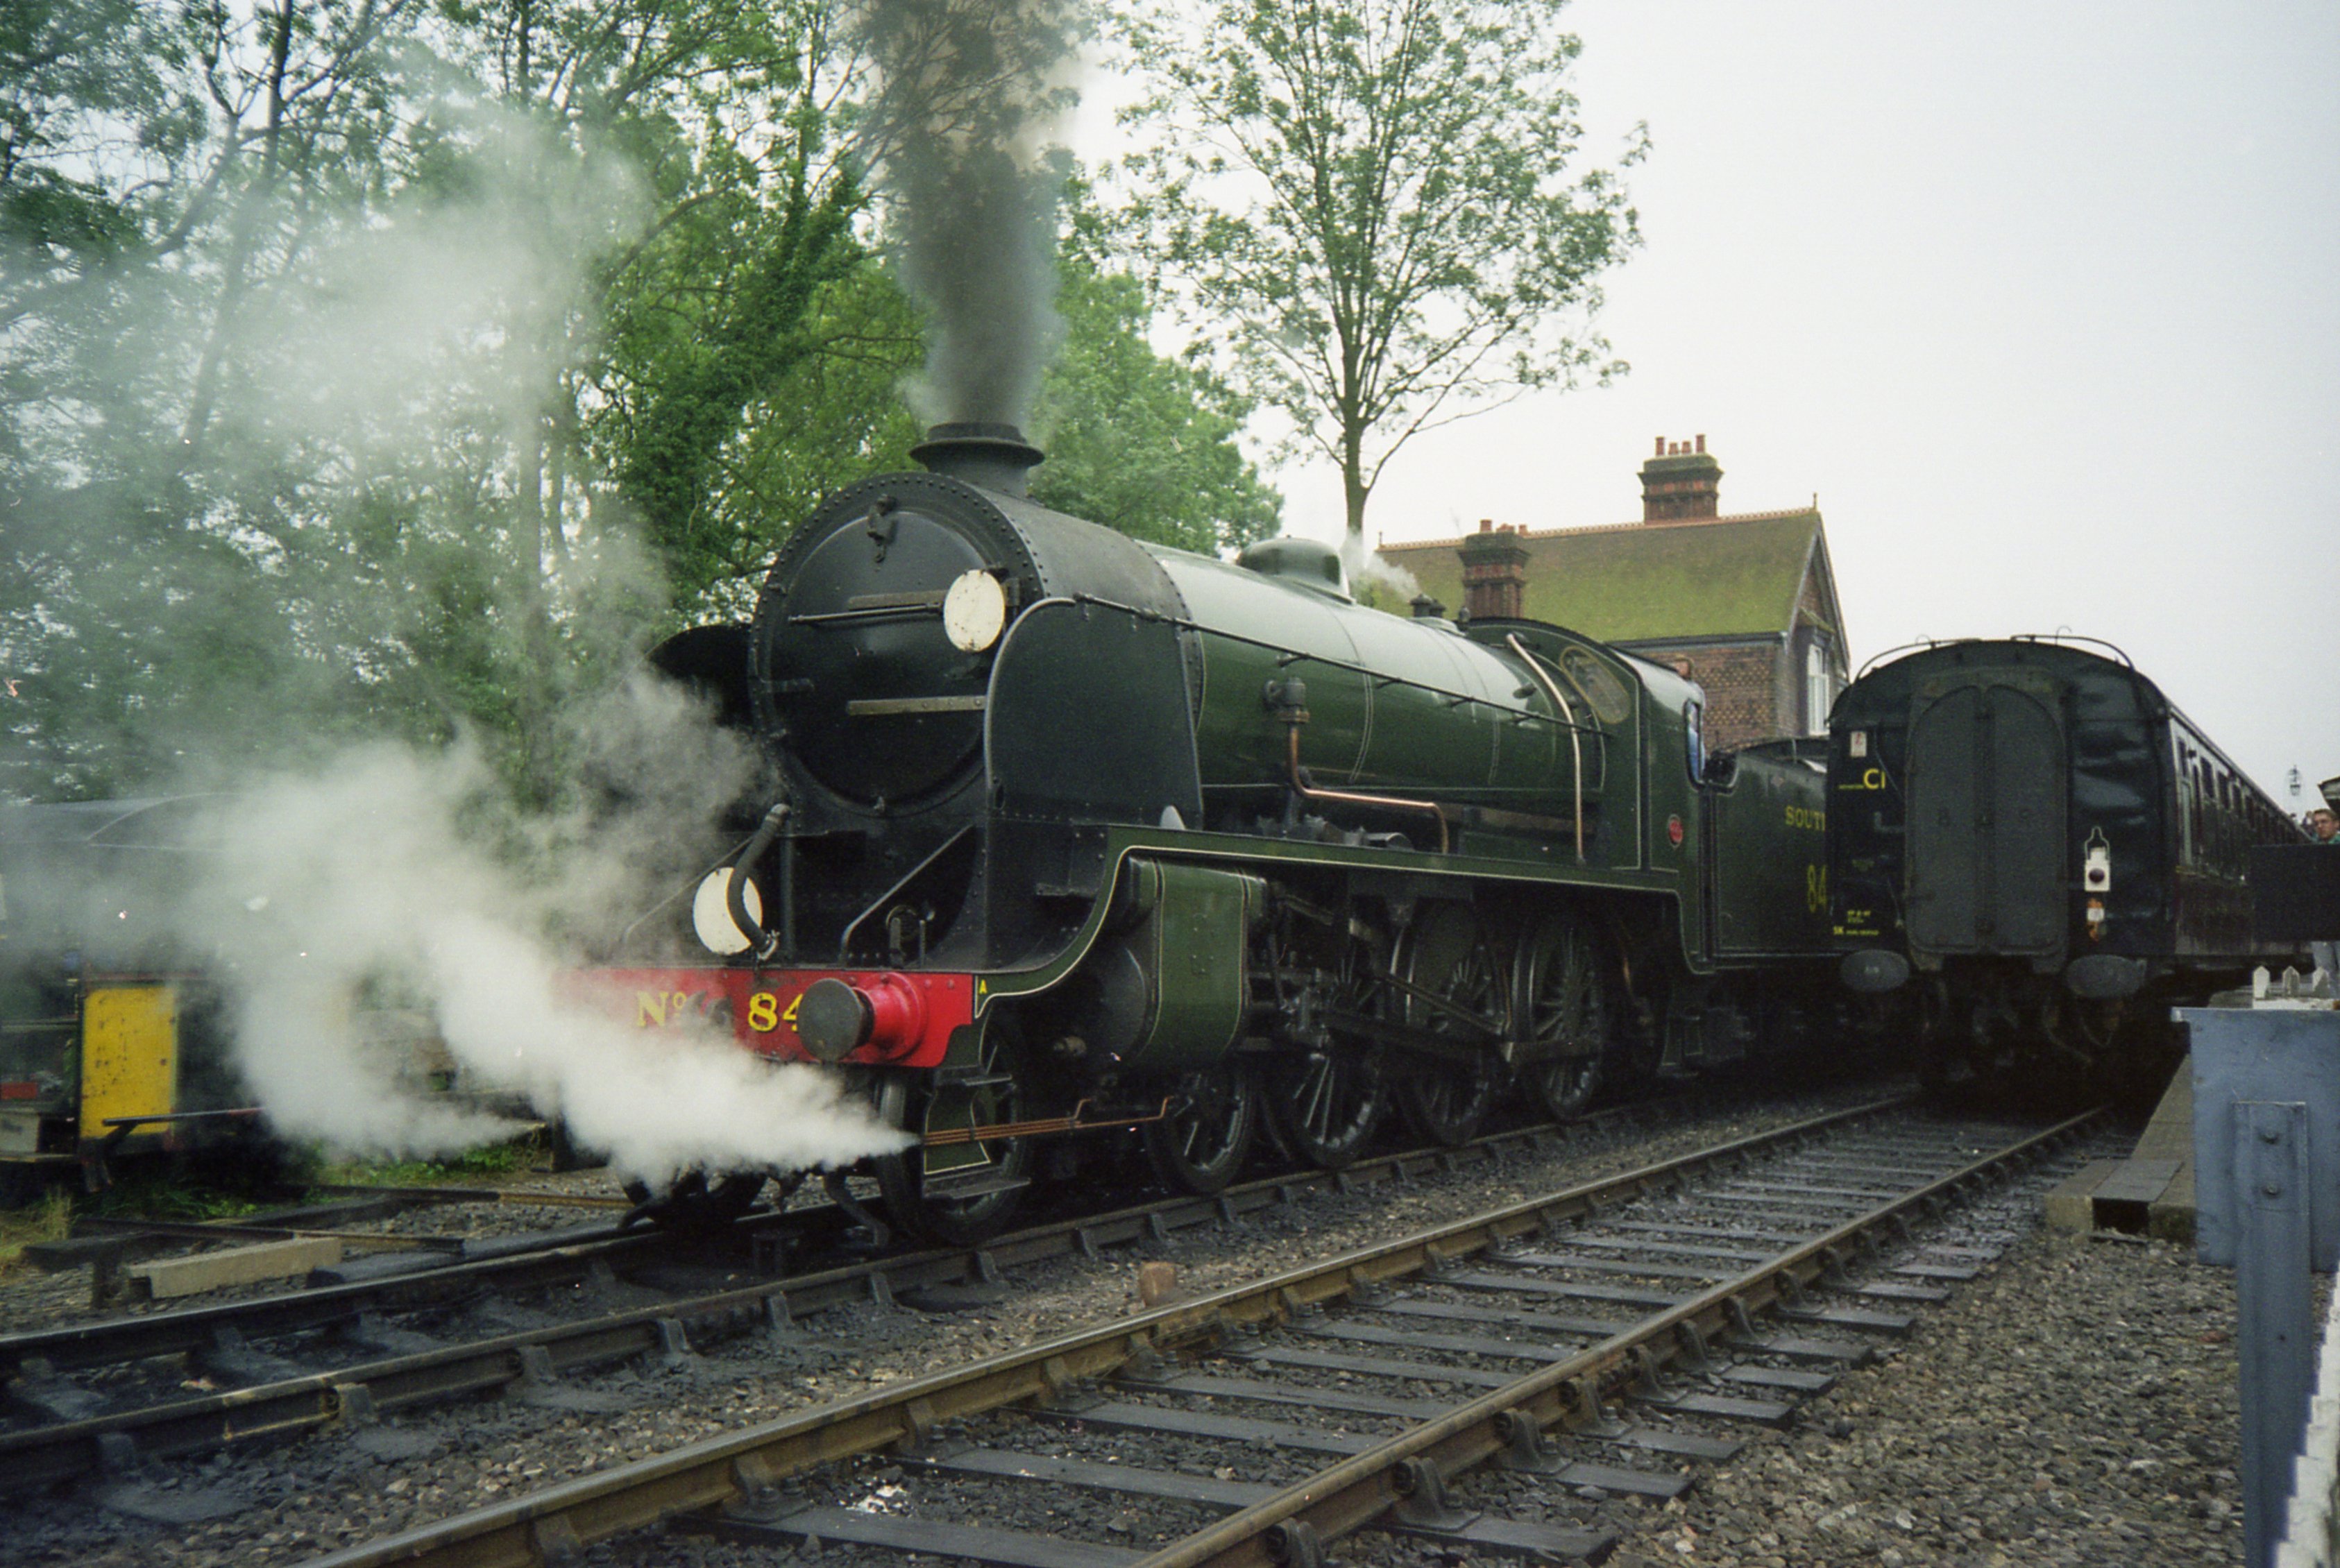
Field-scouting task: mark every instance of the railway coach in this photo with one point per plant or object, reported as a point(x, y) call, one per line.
point(2041, 852)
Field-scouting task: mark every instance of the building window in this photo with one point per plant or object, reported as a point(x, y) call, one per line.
point(1820, 688)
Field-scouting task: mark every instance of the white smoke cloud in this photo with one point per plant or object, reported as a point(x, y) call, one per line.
point(1366, 566)
point(365, 882)
point(375, 432)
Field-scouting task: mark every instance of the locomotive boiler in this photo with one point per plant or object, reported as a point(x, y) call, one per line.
point(2032, 844)
point(1073, 833)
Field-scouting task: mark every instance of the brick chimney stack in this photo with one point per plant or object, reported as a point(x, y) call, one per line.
point(1680, 482)
point(1494, 573)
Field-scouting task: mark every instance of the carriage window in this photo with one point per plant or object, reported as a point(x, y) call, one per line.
point(1694, 739)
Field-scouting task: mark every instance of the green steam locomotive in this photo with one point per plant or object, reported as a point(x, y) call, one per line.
point(1074, 832)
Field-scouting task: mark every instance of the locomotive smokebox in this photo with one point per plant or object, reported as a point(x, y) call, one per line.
point(995, 457)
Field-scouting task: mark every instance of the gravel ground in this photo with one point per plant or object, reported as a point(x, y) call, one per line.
point(288, 1502)
point(2074, 1404)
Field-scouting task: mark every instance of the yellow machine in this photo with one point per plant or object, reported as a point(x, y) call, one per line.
point(99, 1068)
point(108, 1046)
point(129, 1054)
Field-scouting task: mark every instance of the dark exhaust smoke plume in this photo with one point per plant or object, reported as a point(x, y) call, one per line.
point(961, 139)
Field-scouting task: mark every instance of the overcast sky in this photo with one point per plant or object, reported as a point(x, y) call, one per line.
point(2042, 299)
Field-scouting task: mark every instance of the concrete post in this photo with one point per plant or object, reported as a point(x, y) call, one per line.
point(2275, 1333)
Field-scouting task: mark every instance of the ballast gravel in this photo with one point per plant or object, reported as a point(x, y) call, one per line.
point(2077, 1404)
point(2074, 1404)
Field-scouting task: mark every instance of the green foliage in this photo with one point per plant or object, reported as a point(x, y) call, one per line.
point(1138, 442)
point(1370, 208)
point(513, 1157)
point(300, 403)
point(835, 415)
point(183, 1189)
point(406, 366)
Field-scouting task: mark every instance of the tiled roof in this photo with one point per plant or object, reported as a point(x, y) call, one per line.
point(1642, 582)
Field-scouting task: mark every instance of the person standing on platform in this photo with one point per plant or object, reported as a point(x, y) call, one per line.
point(2324, 823)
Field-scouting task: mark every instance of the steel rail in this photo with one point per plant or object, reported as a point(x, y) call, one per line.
point(106, 1341)
point(743, 1467)
point(516, 1197)
point(109, 1340)
point(1354, 1493)
point(59, 1452)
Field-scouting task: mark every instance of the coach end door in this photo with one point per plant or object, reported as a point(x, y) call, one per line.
point(1986, 776)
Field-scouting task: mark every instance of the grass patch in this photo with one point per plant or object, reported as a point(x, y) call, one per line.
point(513, 1157)
point(50, 1219)
point(188, 1190)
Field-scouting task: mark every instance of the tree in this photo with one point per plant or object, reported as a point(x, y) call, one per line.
point(1143, 444)
point(309, 309)
point(1139, 443)
point(406, 366)
point(1370, 209)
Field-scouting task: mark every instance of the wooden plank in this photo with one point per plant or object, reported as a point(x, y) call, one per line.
point(1892, 1290)
point(976, 1543)
point(2071, 1204)
point(169, 1276)
point(2125, 1200)
point(1132, 1479)
point(2170, 1134)
point(2170, 1217)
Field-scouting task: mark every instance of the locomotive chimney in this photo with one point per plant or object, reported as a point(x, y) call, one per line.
point(1681, 481)
point(994, 456)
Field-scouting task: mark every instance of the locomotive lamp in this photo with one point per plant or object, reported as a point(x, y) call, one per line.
point(710, 913)
point(2096, 864)
point(974, 611)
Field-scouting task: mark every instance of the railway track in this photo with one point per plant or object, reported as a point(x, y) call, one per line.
point(1701, 1293)
point(97, 1397)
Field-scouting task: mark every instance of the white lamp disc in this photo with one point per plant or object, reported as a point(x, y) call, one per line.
point(710, 913)
point(974, 611)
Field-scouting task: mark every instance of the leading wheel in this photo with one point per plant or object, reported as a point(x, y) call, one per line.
point(946, 1189)
point(1200, 1146)
point(1446, 955)
point(1563, 1005)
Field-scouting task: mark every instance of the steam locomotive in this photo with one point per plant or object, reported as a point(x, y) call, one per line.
point(2036, 849)
point(1074, 832)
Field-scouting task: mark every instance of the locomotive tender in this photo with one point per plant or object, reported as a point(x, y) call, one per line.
point(1076, 831)
point(2035, 835)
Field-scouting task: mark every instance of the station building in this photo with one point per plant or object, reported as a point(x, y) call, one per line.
point(1745, 603)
